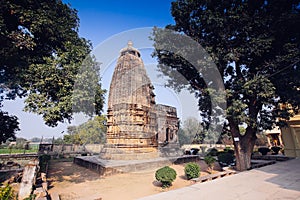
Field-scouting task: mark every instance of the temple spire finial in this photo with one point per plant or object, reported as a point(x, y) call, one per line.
point(130, 43)
point(130, 49)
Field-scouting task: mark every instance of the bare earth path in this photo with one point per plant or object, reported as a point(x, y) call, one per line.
point(71, 181)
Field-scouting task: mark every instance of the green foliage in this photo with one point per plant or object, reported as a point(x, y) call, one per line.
point(20, 143)
point(65, 90)
point(69, 139)
point(7, 193)
point(88, 97)
point(91, 132)
point(195, 151)
point(213, 152)
point(255, 46)
point(31, 32)
point(229, 150)
point(31, 197)
point(41, 58)
point(276, 149)
point(43, 162)
point(242, 130)
point(58, 141)
point(166, 176)
point(183, 137)
point(226, 158)
point(44, 158)
point(16, 151)
point(209, 160)
point(192, 170)
point(263, 150)
point(191, 127)
point(9, 125)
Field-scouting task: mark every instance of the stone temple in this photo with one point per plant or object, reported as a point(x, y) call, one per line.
point(140, 133)
point(137, 127)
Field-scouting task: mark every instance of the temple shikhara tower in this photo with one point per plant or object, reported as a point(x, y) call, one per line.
point(137, 127)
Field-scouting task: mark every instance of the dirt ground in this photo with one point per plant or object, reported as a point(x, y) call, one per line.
point(74, 182)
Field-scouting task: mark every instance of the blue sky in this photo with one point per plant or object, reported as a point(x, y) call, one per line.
point(100, 21)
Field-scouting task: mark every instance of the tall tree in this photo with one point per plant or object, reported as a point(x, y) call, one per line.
point(255, 46)
point(41, 55)
point(91, 132)
point(9, 125)
point(190, 128)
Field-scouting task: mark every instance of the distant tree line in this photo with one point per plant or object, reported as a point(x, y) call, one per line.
point(91, 132)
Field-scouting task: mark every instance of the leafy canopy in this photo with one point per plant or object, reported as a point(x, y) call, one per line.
point(91, 132)
point(255, 46)
point(41, 55)
point(9, 125)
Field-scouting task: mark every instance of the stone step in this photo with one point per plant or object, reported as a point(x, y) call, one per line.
point(213, 176)
point(54, 196)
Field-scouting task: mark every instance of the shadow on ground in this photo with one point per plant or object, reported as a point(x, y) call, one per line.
point(287, 174)
point(68, 171)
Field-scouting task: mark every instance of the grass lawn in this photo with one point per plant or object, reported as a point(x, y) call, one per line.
point(15, 151)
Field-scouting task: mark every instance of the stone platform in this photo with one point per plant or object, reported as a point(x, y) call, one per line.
point(110, 167)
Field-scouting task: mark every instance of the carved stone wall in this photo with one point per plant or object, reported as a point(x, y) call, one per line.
point(167, 124)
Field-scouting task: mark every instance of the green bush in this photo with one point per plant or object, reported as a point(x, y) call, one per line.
point(225, 159)
point(212, 152)
point(192, 170)
point(264, 150)
point(7, 193)
point(43, 162)
point(275, 149)
point(194, 151)
point(209, 160)
point(31, 197)
point(44, 158)
point(166, 176)
point(229, 150)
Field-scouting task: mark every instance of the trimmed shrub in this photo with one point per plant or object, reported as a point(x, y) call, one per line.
point(166, 176)
point(212, 152)
point(276, 149)
point(229, 150)
point(263, 150)
point(209, 160)
point(225, 159)
point(194, 151)
point(187, 152)
point(192, 170)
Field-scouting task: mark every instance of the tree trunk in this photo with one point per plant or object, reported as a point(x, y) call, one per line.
point(243, 150)
point(243, 145)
